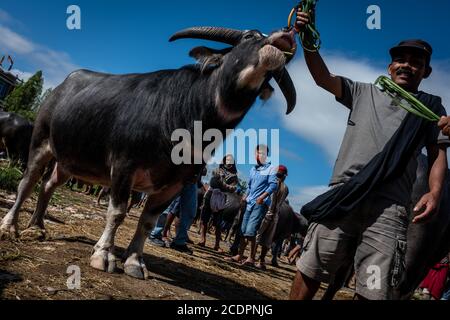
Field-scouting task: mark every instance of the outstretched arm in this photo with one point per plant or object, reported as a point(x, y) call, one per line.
point(317, 66)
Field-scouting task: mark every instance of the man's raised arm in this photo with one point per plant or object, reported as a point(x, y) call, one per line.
point(317, 66)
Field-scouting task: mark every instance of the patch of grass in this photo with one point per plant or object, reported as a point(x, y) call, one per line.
point(57, 199)
point(10, 176)
point(10, 255)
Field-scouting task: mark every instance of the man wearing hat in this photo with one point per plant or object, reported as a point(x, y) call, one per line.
point(266, 232)
point(372, 236)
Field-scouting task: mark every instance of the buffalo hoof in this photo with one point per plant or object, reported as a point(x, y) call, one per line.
point(136, 269)
point(99, 261)
point(9, 233)
point(104, 261)
point(33, 234)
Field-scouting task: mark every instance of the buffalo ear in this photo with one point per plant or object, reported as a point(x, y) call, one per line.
point(208, 57)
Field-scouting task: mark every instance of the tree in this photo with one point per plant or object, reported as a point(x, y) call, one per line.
point(25, 96)
point(41, 99)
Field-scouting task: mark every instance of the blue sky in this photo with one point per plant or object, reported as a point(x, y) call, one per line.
point(132, 36)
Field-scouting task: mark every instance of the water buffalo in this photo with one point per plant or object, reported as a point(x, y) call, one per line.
point(231, 211)
point(289, 223)
point(116, 130)
point(15, 133)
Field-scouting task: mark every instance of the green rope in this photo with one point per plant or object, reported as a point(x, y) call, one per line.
point(309, 36)
point(405, 100)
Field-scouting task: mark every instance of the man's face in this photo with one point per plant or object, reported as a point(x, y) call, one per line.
point(408, 68)
point(261, 156)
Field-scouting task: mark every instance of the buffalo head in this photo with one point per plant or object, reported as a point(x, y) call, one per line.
point(256, 57)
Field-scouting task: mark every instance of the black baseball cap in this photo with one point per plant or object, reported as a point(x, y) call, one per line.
point(415, 44)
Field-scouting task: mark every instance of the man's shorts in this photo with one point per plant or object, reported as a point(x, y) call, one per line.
point(252, 220)
point(373, 237)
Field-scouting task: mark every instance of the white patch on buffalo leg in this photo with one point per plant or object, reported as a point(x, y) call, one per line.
point(103, 258)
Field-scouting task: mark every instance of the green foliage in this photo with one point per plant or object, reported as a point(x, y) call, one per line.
point(10, 176)
point(41, 99)
point(25, 97)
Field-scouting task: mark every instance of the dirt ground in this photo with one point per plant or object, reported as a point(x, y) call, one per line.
point(38, 270)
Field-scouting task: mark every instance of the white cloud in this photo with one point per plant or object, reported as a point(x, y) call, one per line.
point(56, 65)
point(285, 153)
point(11, 41)
point(23, 75)
point(301, 196)
point(321, 120)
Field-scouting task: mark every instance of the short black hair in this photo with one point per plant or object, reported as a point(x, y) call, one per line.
point(263, 146)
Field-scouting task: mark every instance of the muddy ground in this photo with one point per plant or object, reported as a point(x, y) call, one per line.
point(38, 270)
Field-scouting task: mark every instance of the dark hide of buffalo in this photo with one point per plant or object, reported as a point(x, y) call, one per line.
point(15, 134)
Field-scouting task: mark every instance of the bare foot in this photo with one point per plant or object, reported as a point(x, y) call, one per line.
point(249, 263)
point(261, 266)
point(219, 250)
point(237, 259)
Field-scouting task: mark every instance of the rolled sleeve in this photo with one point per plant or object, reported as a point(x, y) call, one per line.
point(350, 91)
point(273, 184)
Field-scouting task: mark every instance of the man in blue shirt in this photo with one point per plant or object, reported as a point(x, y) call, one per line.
point(261, 185)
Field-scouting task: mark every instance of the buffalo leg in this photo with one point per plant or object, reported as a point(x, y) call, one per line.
point(39, 159)
point(134, 263)
point(103, 257)
point(36, 228)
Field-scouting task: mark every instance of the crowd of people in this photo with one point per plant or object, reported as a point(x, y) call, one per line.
point(256, 219)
